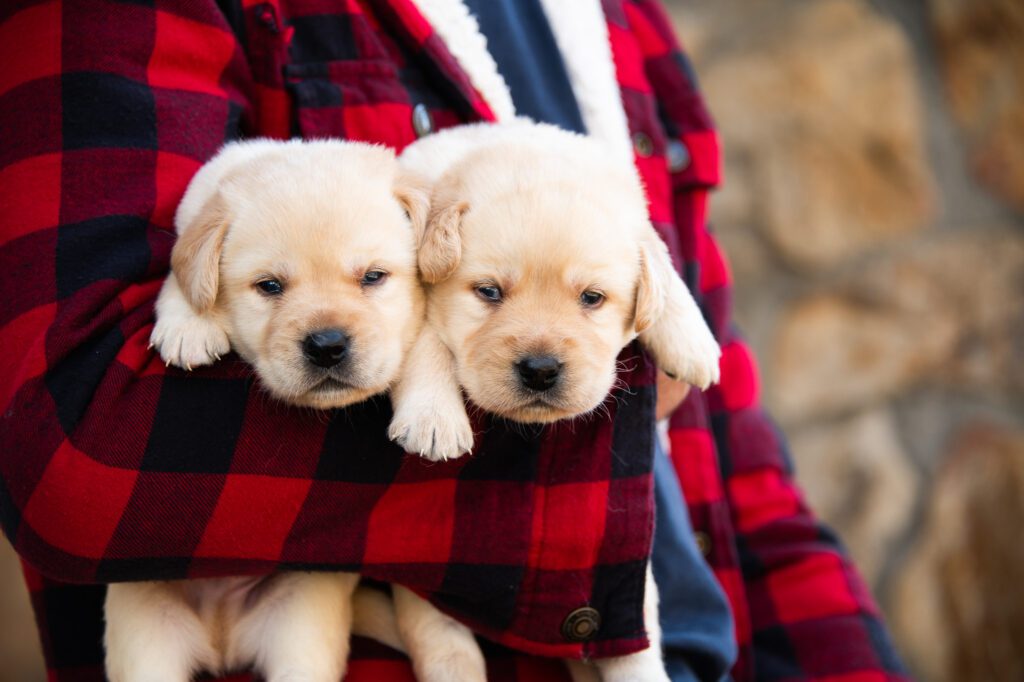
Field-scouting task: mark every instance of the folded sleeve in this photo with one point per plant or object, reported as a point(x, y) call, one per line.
point(108, 109)
point(802, 611)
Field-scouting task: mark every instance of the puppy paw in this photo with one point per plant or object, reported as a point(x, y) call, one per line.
point(189, 341)
point(693, 360)
point(685, 352)
point(644, 666)
point(434, 433)
point(447, 666)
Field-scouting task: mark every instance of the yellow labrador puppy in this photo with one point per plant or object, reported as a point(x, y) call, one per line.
point(542, 264)
point(301, 257)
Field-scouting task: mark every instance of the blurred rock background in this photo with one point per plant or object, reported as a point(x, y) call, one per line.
point(873, 212)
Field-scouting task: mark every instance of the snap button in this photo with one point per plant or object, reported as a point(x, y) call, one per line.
point(642, 144)
point(267, 17)
point(678, 156)
point(422, 123)
point(581, 625)
point(703, 542)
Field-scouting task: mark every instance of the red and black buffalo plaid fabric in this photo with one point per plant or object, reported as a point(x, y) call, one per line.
point(113, 467)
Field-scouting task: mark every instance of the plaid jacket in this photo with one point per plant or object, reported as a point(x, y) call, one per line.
point(115, 468)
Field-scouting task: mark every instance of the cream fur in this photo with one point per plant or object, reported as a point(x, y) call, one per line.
point(581, 33)
point(544, 215)
point(298, 212)
point(441, 649)
point(290, 626)
point(195, 339)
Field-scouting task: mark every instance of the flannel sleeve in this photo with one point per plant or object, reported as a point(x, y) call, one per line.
point(802, 607)
point(108, 109)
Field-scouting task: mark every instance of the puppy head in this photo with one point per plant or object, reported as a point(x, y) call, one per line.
point(539, 276)
point(306, 253)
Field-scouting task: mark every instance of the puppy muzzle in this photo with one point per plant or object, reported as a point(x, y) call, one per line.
point(326, 348)
point(539, 372)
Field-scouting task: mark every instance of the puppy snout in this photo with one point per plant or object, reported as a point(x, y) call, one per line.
point(325, 347)
point(539, 372)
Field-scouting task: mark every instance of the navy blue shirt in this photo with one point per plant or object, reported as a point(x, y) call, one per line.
point(520, 40)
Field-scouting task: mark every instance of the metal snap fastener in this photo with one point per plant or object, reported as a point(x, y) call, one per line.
point(581, 625)
point(422, 122)
point(703, 542)
point(266, 15)
point(642, 144)
point(677, 155)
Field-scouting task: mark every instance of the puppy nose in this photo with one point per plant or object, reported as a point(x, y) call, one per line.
point(325, 347)
point(539, 372)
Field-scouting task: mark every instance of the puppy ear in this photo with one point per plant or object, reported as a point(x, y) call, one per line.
point(669, 322)
point(413, 193)
point(195, 258)
point(202, 219)
point(440, 248)
point(650, 290)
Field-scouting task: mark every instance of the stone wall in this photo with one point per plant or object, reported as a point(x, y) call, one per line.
point(873, 211)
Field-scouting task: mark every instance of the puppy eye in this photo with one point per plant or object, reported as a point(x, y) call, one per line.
point(270, 287)
point(373, 277)
point(489, 293)
point(591, 299)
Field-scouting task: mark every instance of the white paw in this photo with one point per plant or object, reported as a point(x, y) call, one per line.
point(643, 666)
point(693, 358)
point(432, 431)
point(189, 341)
point(455, 666)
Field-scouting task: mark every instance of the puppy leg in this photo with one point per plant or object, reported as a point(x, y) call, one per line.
point(646, 665)
point(441, 648)
point(182, 336)
point(678, 338)
point(430, 416)
point(373, 616)
point(298, 630)
point(581, 671)
point(152, 635)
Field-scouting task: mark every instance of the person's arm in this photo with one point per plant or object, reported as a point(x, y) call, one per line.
point(806, 611)
point(108, 109)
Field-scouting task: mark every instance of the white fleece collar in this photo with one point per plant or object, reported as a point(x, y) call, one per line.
point(461, 35)
point(581, 33)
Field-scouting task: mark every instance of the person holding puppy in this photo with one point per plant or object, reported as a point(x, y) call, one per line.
point(113, 468)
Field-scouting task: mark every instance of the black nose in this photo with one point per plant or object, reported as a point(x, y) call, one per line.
point(539, 372)
point(325, 347)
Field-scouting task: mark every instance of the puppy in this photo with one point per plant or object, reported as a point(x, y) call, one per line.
point(542, 264)
point(300, 257)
